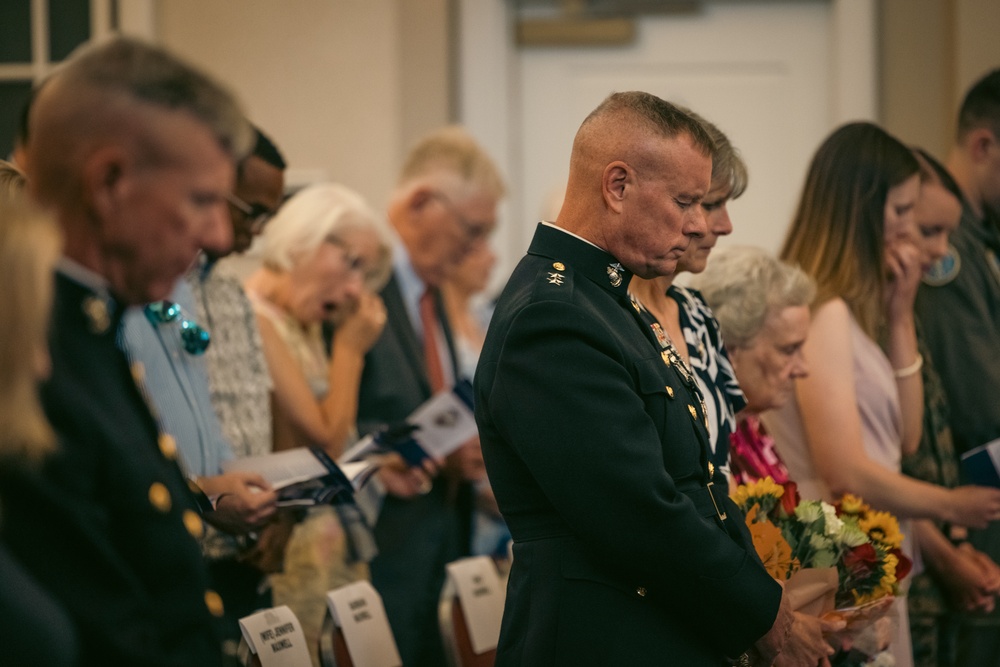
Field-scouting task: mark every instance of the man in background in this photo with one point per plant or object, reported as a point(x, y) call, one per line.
point(170, 343)
point(238, 379)
point(959, 307)
point(135, 152)
point(444, 203)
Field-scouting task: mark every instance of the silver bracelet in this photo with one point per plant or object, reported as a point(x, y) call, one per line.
point(900, 373)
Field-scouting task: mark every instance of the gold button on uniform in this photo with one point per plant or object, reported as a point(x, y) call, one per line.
point(694, 413)
point(138, 372)
point(711, 470)
point(193, 524)
point(558, 266)
point(670, 391)
point(666, 357)
point(214, 603)
point(168, 446)
point(641, 591)
point(159, 497)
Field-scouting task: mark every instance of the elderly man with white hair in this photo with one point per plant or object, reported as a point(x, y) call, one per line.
point(444, 203)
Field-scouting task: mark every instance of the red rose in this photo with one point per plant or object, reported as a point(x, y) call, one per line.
point(861, 560)
point(904, 566)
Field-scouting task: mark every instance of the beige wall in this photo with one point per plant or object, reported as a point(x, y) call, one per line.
point(343, 86)
point(931, 52)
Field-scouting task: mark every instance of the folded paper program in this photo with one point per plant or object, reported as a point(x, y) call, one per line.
point(306, 476)
point(441, 424)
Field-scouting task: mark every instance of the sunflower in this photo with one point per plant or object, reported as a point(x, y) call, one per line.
point(762, 488)
point(882, 527)
point(852, 505)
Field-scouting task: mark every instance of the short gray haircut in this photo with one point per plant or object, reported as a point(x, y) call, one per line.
point(743, 285)
point(99, 94)
point(452, 149)
point(316, 214)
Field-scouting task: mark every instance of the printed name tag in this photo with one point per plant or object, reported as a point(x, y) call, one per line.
point(482, 597)
point(275, 636)
point(357, 610)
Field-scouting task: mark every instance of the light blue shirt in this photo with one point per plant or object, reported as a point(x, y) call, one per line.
point(411, 287)
point(176, 384)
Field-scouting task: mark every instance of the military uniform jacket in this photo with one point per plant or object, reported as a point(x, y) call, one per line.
point(107, 524)
point(598, 455)
point(959, 309)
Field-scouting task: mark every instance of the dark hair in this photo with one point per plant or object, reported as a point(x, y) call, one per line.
point(265, 149)
point(981, 106)
point(947, 180)
point(837, 235)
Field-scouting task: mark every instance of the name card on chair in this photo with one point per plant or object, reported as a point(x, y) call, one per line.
point(482, 597)
point(275, 636)
point(357, 610)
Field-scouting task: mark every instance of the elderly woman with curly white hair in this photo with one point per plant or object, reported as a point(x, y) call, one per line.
point(324, 255)
point(762, 307)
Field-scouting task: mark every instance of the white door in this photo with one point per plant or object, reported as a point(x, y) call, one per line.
point(776, 77)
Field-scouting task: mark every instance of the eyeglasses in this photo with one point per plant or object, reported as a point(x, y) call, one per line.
point(355, 262)
point(474, 231)
point(257, 214)
point(194, 337)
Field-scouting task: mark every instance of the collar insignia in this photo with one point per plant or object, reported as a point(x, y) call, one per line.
point(98, 318)
point(615, 274)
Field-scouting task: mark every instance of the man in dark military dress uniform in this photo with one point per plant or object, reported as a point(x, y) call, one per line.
point(596, 444)
point(959, 308)
point(135, 152)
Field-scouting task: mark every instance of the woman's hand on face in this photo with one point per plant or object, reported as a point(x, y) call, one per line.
point(363, 325)
point(905, 270)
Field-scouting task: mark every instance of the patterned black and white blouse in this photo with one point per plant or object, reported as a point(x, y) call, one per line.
point(714, 372)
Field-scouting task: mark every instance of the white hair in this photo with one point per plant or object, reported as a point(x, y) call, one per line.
point(316, 214)
point(744, 285)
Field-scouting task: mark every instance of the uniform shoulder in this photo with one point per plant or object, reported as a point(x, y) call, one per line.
point(543, 279)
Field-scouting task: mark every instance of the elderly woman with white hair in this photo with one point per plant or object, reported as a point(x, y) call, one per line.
point(762, 307)
point(324, 253)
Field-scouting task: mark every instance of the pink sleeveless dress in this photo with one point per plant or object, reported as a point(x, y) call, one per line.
point(882, 434)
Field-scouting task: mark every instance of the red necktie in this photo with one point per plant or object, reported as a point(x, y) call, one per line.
point(432, 357)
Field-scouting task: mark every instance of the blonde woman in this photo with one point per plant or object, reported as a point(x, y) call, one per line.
point(29, 246)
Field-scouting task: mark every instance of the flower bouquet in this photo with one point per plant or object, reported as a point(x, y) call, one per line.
point(841, 561)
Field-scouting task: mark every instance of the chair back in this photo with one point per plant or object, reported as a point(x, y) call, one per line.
point(469, 612)
point(356, 631)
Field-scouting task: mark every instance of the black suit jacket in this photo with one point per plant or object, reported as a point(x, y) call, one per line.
point(598, 456)
point(106, 525)
point(416, 537)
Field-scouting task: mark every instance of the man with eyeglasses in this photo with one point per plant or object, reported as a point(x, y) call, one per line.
point(172, 341)
point(135, 152)
point(444, 203)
